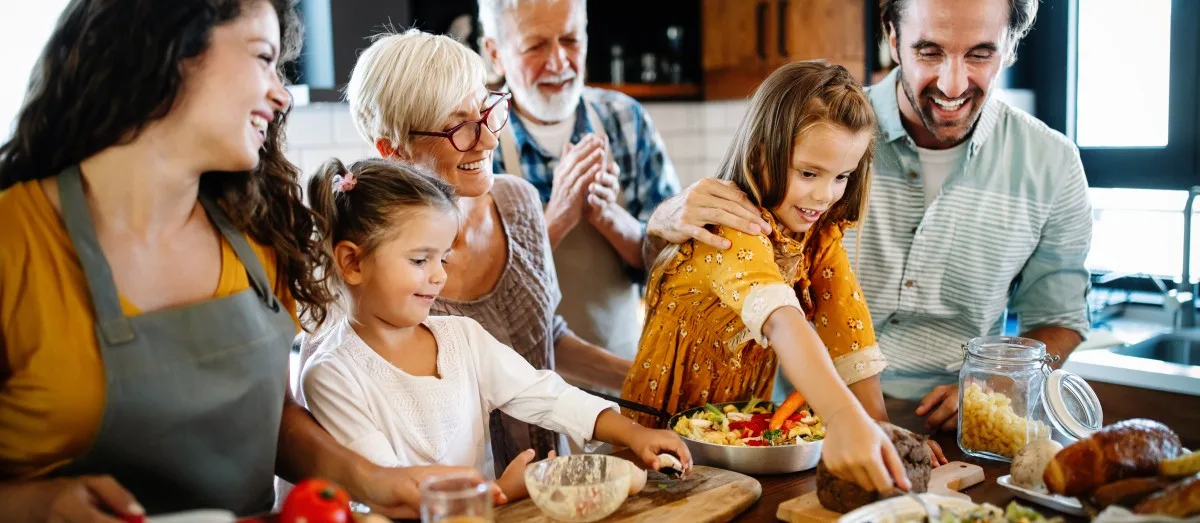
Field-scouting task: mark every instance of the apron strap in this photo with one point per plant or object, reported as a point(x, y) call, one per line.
point(508, 142)
point(241, 247)
point(594, 119)
point(110, 317)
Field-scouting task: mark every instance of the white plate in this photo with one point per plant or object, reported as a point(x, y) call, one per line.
point(1064, 504)
point(903, 508)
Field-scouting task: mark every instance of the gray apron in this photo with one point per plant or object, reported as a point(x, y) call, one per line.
point(194, 393)
point(599, 300)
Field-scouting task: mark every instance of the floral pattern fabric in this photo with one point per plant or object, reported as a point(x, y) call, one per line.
point(702, 342)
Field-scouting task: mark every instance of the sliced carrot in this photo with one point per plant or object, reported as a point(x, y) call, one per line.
point(789, 407)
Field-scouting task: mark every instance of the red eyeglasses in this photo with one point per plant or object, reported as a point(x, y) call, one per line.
point(465, 136)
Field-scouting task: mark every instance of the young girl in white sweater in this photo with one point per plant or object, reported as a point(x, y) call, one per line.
point(402, 388)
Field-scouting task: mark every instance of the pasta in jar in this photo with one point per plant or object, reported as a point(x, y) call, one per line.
point(990, 424)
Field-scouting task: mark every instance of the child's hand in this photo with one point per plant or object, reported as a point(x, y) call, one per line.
point(648, 444)
point(512, 481)
point(856, 449)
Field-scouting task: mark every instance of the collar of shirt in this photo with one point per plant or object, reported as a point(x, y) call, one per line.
point(524, 140)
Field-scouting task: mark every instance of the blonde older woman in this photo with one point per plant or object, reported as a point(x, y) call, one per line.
point(421, 98)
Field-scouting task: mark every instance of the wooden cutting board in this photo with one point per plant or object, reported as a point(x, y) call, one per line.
point(709, 495)
point(946, 480)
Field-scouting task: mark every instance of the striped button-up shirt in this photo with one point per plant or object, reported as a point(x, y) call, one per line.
point(1011, 228)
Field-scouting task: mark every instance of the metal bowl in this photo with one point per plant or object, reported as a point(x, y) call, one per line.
point(782, 459)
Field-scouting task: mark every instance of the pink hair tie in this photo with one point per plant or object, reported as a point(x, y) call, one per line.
point(344, 183)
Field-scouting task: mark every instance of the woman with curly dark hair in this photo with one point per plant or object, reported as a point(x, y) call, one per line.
point(153, 248)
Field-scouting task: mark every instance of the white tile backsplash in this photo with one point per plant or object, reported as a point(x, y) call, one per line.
point(715, 144)
point(310, 125)
point(711, 116)
point(735, 110)
point(696, 135)
point(313, 158)
point(344, 131)
point(671, 118)
point(689, 171)
point(684, 146)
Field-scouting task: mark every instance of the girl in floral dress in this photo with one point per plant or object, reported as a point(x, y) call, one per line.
point(720, 321)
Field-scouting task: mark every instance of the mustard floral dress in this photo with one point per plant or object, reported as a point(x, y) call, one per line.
point(703, 340)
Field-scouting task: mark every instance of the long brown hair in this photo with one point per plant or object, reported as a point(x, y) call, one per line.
point(111, 67)
point(788, 104)
point(365, 212)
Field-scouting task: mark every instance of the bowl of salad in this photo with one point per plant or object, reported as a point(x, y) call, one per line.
point(753, 437)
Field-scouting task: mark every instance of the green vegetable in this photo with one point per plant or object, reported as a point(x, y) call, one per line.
point(1016, 512)
point(713, 409)
point(772, 436)
point(750, 406)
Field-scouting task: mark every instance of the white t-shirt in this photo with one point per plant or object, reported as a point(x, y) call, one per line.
point(394, 419)
point(937, 165)
point(551, 137)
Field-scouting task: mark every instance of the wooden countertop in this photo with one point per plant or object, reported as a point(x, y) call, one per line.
point(1119, 403)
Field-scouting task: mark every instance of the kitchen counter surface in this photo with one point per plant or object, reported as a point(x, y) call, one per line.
point(1119, 402)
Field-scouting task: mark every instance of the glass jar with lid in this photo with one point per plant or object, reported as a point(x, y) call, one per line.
point(1008, 397)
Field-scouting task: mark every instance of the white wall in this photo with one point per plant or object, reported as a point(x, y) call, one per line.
point(21, 40)
point(696, 134)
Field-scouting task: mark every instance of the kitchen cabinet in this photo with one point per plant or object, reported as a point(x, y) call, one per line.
point(745, 40)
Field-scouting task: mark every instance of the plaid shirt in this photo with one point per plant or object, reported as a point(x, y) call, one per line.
point(647, 175)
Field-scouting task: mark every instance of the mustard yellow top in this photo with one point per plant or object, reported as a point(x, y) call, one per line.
point(51, 373)
point(703, 340)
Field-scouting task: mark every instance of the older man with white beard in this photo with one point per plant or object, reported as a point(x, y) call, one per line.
point(595, 157)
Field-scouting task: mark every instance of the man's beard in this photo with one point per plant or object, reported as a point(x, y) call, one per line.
point(925, 111)
point(549, 108)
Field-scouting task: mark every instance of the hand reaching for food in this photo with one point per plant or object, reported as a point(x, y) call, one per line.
point(647, 444)
point(651, 446)
point(856, 449)
point(512, 481)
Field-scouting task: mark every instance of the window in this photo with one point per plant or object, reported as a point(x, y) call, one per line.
point(1140, 231)
point(23, 32)
point(1132, 91)
point(1136, 65)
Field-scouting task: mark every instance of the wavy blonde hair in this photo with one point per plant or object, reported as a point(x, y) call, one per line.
point(410, 81)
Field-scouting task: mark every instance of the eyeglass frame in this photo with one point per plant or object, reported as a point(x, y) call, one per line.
point(505, 98)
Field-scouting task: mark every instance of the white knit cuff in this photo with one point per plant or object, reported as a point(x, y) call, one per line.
point(860, 364)
point(761, 302)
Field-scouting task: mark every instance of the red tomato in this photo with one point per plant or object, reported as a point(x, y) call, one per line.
point(316, 501)
point(755, 443)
